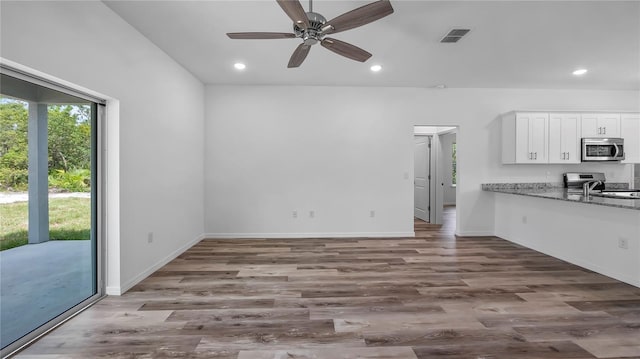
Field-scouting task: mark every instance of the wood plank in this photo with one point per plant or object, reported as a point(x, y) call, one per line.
point(520, 350)
point(331, 353)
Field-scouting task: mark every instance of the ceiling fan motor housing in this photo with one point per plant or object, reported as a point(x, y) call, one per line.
point(313, 34)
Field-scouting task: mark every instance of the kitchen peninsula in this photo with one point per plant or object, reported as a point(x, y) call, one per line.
point(600, 234)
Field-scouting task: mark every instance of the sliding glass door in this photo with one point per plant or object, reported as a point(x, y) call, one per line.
point(49, 243)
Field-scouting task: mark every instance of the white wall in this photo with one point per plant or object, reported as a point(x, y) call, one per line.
point(158, 156)
point(270, 151)
point(449, 192)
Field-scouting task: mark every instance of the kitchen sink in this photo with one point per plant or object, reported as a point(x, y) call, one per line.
point(626, 194)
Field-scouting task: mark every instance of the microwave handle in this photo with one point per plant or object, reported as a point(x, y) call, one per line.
point(617, 150)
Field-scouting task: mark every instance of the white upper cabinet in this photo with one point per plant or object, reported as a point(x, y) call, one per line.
point(601, 125)
point(630, 130)
point(564, 137)
point(524, 137)
point(541, 137)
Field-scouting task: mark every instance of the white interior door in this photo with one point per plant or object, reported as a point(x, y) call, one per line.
point(421, 158)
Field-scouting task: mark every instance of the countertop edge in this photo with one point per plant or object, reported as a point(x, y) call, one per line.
point(551, 191)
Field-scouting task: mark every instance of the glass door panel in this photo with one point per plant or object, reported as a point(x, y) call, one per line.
point(48, 214)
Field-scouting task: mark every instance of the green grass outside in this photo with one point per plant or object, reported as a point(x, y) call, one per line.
point(69, 219)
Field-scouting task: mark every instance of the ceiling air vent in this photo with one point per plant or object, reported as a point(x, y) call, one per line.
point(454, 35)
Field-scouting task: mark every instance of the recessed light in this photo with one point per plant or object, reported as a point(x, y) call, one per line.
point(239, 66)
point(376, 68)
point(579, 72)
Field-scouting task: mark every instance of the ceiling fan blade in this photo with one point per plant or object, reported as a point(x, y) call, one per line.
point(299, 55)
point(345, 49)
point(294, 10)
point(260, 35)
point(358, 17)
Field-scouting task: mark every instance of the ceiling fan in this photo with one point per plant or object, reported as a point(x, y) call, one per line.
point(312, 28)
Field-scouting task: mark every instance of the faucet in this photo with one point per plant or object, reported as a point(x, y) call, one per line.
point(588, 186)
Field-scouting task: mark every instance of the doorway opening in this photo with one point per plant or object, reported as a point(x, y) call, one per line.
point(435, 176)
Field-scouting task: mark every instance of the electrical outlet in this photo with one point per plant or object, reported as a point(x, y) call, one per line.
point(372, 214)
point(150, 237)
point(524, 219)
point(623, 243)
point(312, 214)
point(294, 214)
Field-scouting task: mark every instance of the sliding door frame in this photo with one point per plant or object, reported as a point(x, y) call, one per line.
point(98, 206)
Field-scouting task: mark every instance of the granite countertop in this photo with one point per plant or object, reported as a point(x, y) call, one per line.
point(557, 192)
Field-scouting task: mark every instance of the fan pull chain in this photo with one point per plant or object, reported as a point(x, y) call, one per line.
point(310, 5)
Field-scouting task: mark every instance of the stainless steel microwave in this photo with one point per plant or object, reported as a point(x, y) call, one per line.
point(602, 149)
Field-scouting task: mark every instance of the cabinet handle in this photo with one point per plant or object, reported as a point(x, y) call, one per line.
point(599, 130)
point(536, 156)
point(568, 155)
point(604, 130)
point(564, 155)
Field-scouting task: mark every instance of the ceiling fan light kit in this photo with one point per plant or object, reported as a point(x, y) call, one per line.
point(312, 28)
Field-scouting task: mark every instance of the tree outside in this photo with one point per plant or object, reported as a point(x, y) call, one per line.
point(69, 170)
point(13, 145)
point(69, 136)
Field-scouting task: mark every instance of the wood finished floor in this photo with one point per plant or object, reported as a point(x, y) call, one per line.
point(433, 296)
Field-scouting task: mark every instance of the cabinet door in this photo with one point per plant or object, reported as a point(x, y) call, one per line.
point(630, 131)
point(538, 137)
point(570, 133)
point(531, 137)
point(523, 149)
point(609, 124)
point(556, 152)
point(590, 125)
point(600, 125)
point(564, 138)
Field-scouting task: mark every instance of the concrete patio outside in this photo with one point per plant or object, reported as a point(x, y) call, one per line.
point(40, 281)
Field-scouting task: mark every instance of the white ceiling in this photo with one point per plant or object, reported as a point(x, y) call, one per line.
point(512, 44)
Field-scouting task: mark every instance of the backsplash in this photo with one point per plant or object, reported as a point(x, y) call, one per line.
point(636, 178)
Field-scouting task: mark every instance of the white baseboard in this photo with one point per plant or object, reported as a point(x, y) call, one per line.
point(475, 234)
point(310, 235)
point(111, 290)
point(114, 290)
